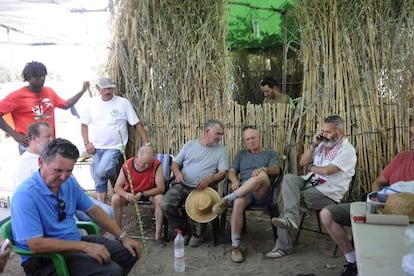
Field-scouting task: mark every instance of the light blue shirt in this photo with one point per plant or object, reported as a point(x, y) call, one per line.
point(199, 161)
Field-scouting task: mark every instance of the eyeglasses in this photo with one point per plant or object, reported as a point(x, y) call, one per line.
point(61, 209)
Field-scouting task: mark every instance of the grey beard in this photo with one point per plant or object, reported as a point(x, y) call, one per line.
point(331, 143)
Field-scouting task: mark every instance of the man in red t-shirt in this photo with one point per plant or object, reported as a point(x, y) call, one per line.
point(146, 174)
point(335, 216)
point(32, 103)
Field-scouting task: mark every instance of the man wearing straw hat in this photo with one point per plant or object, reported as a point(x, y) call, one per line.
point(147, 176)
point(258, 169)
point(200, 163)
point(331, 160)
point(102, 126)
point(335, 217)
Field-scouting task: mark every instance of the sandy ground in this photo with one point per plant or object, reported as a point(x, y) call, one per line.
point(313, 254)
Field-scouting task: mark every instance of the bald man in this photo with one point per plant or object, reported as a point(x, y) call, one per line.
point(147, 177)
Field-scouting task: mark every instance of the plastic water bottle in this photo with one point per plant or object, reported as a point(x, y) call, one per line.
point(179, 256)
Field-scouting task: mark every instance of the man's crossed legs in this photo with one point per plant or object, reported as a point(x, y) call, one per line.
point(255, 189)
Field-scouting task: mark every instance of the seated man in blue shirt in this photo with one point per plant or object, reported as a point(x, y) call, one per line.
point(42, 215)
point(40, 134)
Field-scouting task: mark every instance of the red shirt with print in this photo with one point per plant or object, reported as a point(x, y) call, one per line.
point(27, 107)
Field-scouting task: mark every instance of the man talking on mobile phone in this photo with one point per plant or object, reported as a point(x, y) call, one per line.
point(330, 160)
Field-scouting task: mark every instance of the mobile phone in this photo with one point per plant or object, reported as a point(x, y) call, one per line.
point(4, 245)
point(322, 138)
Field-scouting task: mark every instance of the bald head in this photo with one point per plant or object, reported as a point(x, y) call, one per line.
point(145, 156)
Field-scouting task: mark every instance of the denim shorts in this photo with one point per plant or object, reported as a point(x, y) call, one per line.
point(260, 202)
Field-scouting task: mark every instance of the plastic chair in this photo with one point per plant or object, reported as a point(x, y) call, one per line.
point(57, 258)
point(165, 160)
point(272, 208)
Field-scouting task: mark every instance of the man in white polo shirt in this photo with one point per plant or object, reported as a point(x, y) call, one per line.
point(107, 119)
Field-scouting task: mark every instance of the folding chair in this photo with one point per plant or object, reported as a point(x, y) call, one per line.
point(57, 258)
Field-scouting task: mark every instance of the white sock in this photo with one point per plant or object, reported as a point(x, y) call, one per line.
point(350, 257)
point(235, 239)
point(231, 197)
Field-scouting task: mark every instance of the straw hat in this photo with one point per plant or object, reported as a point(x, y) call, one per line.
point(400, 204)
point(199, 205)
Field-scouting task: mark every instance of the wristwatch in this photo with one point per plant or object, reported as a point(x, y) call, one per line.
point(314, 145)
point(122, 236)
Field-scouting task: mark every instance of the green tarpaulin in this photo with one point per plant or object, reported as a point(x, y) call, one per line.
point(256, 23)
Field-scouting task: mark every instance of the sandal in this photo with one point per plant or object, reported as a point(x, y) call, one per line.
point(276, 253)
point(284, 223)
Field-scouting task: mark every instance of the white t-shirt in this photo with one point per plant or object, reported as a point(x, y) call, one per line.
point(337, 184)
point(27, 164)
point(105, 119)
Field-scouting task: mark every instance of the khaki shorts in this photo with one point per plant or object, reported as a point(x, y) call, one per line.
point(340, 213)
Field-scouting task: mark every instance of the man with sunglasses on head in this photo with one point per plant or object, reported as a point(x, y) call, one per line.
point(42, 215)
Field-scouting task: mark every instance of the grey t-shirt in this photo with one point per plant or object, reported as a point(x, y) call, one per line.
point(199, 162)
point(246, 162)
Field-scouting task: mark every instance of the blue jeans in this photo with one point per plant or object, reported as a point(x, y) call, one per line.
point(82, 216)
point(103, 167)
point(79, 263)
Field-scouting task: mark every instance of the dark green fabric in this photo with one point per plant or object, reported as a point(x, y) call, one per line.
point(240, 33)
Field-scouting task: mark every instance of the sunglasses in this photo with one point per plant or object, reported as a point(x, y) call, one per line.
point(61, 209)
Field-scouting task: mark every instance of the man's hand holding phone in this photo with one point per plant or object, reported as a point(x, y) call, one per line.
point(316, 140)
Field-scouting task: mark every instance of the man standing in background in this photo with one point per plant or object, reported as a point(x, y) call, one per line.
point(107, 119)
point(273, 94)
point(32, 103)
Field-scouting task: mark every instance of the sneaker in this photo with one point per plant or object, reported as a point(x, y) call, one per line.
point(350, 269)
point(236, 255)
point(196, 241)
point(284, 223)
point(160, 243)
point(220, 206)
point(277, 253)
